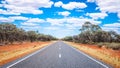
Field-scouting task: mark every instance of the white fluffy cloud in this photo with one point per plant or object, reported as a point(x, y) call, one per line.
point(12, 18)
point(58, 22)
point(18, 18)
point(75, 22)
point(65, 13)
point(97, 15)
point(52, 28)
point(30, 27)
point(90, 0)
point(32, 23)
point(37, 20)
point(3, 19)
point(8, 12)
point(112, 25)
point(111, 29)
point(25, 6)
point(71, 5)
point(23, 9)
point(80, 21)
point(30, 3)
point(110, 6)
point(58, 4)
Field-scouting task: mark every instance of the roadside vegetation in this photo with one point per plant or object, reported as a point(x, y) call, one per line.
point(109, 56)
point(9, 34)
point(93, 34)
point(98, 43)
point(16, 42)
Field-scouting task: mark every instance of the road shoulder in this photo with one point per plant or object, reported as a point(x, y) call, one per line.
point(103, 56)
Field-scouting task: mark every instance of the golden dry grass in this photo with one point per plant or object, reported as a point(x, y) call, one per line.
point(11, 52)
point(109, 56)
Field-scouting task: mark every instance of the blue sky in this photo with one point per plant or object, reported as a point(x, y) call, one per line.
point(61, 18)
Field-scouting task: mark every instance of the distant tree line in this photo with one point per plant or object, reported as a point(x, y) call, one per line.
point(91, 33)
point(9, 33)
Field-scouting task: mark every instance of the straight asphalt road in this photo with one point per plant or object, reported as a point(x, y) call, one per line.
point(57, 55)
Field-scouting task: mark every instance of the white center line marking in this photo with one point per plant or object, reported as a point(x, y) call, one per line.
point(59, 55)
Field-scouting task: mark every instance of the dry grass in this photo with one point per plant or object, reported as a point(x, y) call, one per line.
point(12, 52)
point(109, 56)
point(114, 46)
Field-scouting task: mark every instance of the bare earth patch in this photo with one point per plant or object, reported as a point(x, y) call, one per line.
point(109, 56)
point(11, 52)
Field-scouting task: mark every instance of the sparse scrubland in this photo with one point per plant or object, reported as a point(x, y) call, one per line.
point(10, 33)
point(16, 42)
point(93, 34)
point(98, 43)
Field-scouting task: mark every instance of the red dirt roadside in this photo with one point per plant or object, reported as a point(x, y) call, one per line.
point(11, 52)
point(109, 56)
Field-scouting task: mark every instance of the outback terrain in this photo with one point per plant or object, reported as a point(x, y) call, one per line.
point(109, 56)
point(13, 51)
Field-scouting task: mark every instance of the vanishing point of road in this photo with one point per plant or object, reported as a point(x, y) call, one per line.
point(57, 55)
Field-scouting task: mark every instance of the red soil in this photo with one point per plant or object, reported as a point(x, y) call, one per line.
point(17, 47)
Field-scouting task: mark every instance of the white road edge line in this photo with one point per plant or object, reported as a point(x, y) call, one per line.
point(59, 55)
point(90, 57)
point(27, 57)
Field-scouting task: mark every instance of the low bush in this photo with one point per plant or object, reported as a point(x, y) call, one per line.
point(114, 46)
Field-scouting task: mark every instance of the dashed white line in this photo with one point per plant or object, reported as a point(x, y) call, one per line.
point(59, 55)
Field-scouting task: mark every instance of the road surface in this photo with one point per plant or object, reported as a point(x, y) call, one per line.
point(57, 55)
